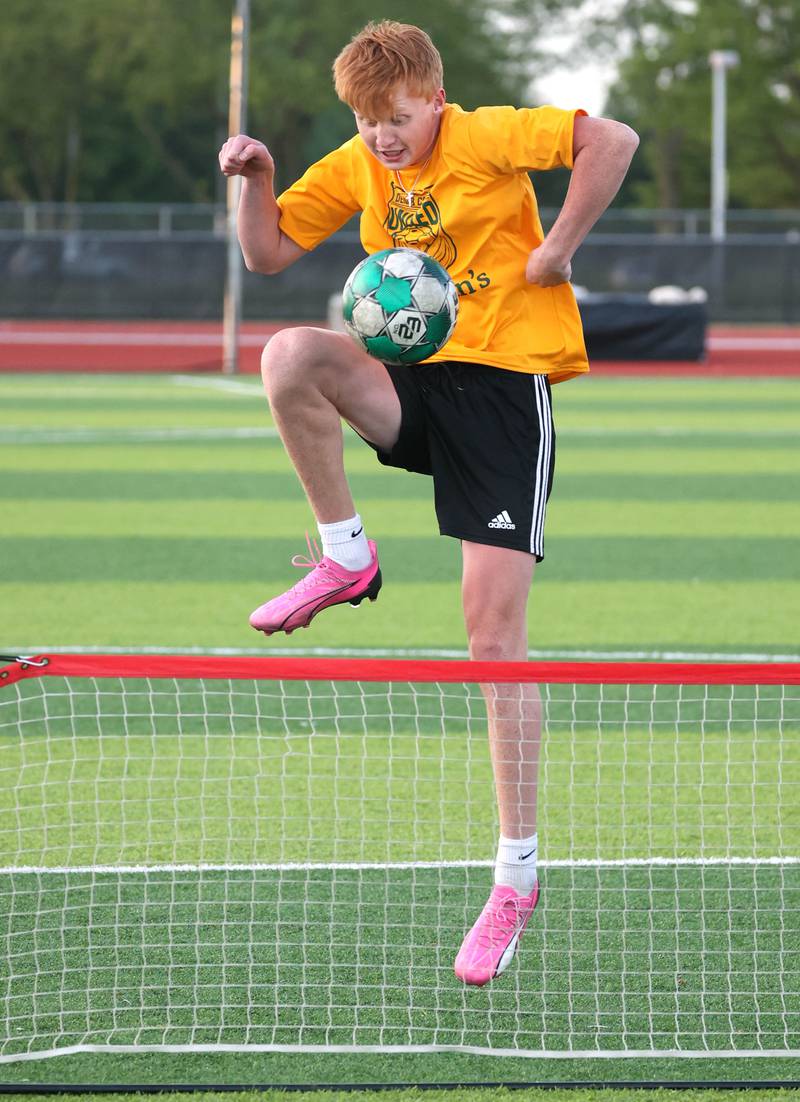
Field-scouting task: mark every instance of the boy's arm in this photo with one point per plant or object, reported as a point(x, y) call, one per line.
point(602, 151)
point(265, 247)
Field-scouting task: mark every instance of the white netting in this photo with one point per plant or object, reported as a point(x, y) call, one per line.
point(295, 863)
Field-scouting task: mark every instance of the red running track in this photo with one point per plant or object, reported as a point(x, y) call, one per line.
point(150, 346)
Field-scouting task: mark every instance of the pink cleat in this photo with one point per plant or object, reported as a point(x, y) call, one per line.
point(489, 947)
point(325, 585)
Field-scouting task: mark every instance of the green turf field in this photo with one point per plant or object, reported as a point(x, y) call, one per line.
point(158, 512)
point(352, 951)
point(155, 513)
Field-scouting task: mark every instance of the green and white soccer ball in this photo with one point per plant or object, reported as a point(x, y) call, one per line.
point(400, 305)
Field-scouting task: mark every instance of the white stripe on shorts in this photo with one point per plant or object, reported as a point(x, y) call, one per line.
point(542, 463)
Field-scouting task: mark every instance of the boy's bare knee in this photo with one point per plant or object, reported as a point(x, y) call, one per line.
point(285, 347)
point(490, 647)
point(496, 633)
point(496, 638)
point(287, 359)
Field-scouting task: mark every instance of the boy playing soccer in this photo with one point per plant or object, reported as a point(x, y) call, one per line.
point(477, 415)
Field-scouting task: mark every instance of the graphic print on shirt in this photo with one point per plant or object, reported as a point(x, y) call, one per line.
point(418, 224)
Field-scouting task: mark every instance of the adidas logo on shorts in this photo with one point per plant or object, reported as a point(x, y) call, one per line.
point(502, 520)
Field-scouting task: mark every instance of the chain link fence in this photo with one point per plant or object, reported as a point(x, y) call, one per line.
point(118, 261)
point(176, 219)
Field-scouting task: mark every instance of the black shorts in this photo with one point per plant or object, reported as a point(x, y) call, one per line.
point(486, 435)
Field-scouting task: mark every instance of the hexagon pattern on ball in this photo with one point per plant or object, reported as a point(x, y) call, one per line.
point(400, 306)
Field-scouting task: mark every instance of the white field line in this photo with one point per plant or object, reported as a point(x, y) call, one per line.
point(81, 435)
point(229, 386)
point(556, 654)
point(468, 1050)
point(374, 866)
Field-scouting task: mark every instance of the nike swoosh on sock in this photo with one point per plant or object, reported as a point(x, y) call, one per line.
point(525, 856)
point(358, 533)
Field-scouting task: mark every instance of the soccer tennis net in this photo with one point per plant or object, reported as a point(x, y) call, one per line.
point(275, 855)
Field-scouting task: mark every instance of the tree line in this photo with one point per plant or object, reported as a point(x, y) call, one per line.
point(109, 101)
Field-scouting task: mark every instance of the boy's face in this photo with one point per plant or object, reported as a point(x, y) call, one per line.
point(407, 136)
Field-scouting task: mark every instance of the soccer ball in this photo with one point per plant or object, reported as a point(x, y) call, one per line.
point(400, 305)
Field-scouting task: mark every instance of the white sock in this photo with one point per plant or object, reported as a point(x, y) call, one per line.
point(345, 543)
point(515, 865)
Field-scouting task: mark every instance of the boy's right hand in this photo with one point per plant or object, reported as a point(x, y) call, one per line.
point(244, 156)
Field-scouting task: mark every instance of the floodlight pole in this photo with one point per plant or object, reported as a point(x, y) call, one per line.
point(720, 61)
point(237, 124)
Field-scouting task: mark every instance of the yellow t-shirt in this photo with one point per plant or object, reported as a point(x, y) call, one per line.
point(474, 210)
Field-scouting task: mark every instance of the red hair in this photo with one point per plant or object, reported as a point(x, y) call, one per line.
point(381, 58)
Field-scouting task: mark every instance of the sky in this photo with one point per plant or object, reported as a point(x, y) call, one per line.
point(576, 85)
point(585, 87)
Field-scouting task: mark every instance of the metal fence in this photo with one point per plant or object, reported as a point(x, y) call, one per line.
point(177, 219)
point(163, 219)
point(171, 269)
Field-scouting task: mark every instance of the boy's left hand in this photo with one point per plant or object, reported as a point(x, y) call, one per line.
point(546, 268)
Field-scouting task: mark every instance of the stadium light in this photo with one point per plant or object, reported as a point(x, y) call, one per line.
point(237, 124)
point(720, 61)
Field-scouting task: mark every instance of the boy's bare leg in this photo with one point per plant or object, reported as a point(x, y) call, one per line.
point(495, 586)
point(496, 581)
point(313, 378)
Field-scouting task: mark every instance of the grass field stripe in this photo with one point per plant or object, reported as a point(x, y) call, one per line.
point(670, 430)
point(15, 435)
point(368, 866)
point(468, 1050)
point(413, 652)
